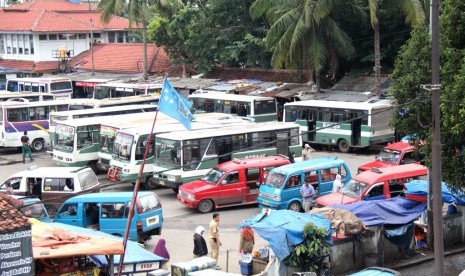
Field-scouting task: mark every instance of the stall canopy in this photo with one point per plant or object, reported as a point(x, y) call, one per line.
point(283, 229)
point(420, 188)
point(56, 241)
point(397, 210)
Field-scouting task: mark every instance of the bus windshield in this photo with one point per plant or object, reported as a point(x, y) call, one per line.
point(390, 156)
point(275, 179)
point(168, 152)
point(122, 146)
point(213, 176)
point(354, 188)
point(64, 138)
point(265, 107)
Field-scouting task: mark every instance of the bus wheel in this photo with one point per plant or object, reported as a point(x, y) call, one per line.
point(343, 146)
point(37, 145)
point(93, 166)
point(51, 210)
point(295, 206)
point(205, 206)
point(150, 184)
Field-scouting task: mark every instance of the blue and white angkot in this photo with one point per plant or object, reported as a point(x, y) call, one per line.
point(175, 105)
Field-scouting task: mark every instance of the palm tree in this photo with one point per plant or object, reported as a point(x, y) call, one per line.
point(137, 11)
point(414, 15)
point(304, 33)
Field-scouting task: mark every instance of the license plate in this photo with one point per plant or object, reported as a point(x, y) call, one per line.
point(161, 182)
point(152, 220)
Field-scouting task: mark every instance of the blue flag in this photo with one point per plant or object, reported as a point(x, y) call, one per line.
point(175, 105)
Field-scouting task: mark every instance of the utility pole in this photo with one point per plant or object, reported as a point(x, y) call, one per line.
point(91, 38)
point(436, 143)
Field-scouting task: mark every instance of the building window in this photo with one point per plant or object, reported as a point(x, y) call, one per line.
point(96, 35)
point(43, 37)
point(26, 51)
point(82, 36)
point(20, 50)
point(52, 37)
point(111, 37)
point(120, 37)
point(2, 44)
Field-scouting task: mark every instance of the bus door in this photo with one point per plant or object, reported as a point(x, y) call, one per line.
point(224, 147)
point(311, 124)
point(282, 143)
point(356, 126)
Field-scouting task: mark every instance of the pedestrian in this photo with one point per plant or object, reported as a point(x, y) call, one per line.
point(291, 157)
point(214, 237)
point(200, 245)
point(307, 191)
point(337, 184)
point(26, 147)
point(306, 152)
point(160, 250)
point(247, 240)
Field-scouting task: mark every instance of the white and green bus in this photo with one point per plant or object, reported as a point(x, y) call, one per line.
point(129, 144)
point(93, 103)
point(120, 89)
point(95, 112)
point(261, 109)
point(108, 134)
point(76, 141)
point(343, 124)
point(61, 88)
point(186, 156)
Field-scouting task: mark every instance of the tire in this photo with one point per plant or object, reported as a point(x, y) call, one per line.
point(51, 210)
point(295, 206)
point(205, 206)
point(93, 166)
point(343, 146)
point(37, 145)
point(150, 184)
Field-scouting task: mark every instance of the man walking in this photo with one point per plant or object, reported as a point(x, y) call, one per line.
point(214, 237)
point(26, 147)
point(307, 191)
point(306, 152)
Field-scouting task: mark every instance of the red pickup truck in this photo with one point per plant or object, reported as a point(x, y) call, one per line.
point(399, 153)
point(230, 183)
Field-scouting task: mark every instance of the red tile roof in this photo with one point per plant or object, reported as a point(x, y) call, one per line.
point(123, 58)
point(10, 217)
point(51, 5)
point(56, 16)
point(30, 66)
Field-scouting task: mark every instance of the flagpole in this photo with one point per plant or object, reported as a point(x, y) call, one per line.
point(136, 191)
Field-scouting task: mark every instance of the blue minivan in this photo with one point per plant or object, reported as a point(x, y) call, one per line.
point(108, 212)
point(281, 189)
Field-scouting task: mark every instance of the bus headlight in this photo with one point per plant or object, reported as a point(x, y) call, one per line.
point(173, 178)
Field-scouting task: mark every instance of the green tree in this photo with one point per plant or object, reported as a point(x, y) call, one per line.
point(305, 34)
point(137, 11)
point(211, 32)
point(414, 15)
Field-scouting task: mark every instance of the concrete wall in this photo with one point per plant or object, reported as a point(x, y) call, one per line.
point(346, 255)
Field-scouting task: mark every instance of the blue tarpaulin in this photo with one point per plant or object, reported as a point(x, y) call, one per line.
point(397, 210)
point(283, 229)
point(420, 187)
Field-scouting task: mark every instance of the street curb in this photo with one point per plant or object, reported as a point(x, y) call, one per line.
point(426, 259)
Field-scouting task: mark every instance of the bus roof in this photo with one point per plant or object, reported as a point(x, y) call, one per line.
point(99, 119)
point(41, 79)
point(227, 130)
point(340, 104)
point(131, 85)
point(14, 104)
point(99, 109)
point(231, 97)
point(125, 100)
point(106, 196)
point(380, 174)
point(255, 162)
point(310, 165)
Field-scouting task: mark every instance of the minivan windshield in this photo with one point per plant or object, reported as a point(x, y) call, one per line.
point(354, 188)
point(213, 176)
point(275, 179)
point(146, 203)
point(390, 156)
point(88, 179)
